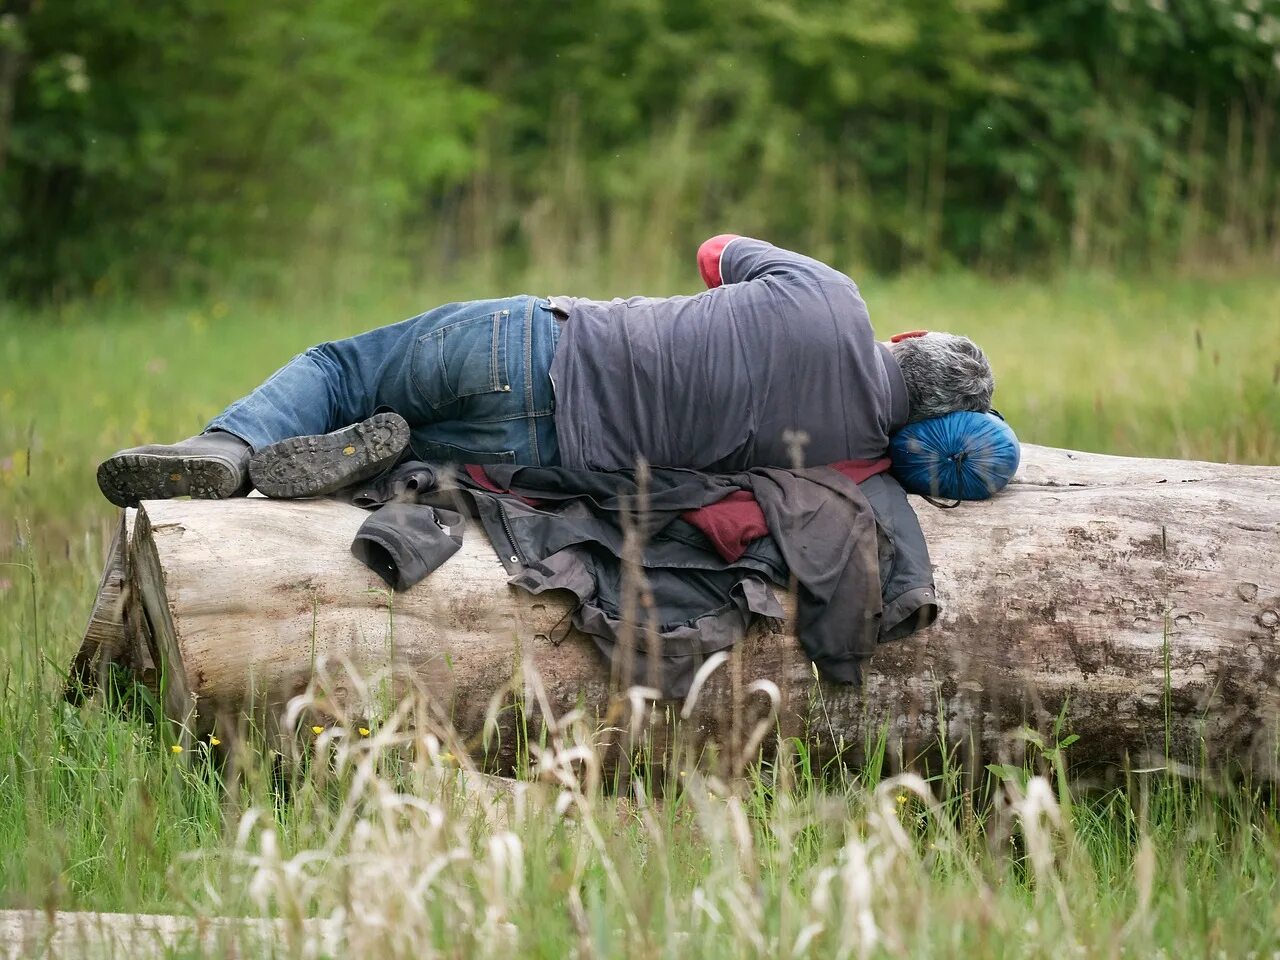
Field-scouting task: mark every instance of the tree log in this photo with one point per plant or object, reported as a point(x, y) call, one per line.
point(1138, 600)
point(25, 934)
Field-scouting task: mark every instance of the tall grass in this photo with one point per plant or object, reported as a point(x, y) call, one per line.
point(414, 851)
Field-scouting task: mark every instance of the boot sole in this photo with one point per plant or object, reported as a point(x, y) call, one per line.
point(326, 463)
point(128, 478)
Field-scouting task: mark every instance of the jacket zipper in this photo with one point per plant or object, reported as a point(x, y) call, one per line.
point(517, 556)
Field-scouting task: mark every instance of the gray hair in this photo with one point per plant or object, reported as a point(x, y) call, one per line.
point(944, 373)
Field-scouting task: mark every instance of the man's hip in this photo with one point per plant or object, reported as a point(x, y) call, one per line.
point(478, 386)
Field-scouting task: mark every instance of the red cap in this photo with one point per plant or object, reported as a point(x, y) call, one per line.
point(897, 337)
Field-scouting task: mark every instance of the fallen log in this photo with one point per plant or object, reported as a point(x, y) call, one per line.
point(1137, 599)
point(25, 934)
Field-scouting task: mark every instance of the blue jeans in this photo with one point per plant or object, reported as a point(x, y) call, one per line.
point(472, 379)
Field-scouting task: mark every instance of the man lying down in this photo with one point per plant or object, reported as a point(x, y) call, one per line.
point(779, 348)
point(545, 406)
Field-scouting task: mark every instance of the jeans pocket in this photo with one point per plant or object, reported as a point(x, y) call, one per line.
point(435, 451)
point(462, 359)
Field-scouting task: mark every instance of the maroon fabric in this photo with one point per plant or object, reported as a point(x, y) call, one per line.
point(709, 258)
point(733, 523)
point(859, 470)
point(477, 474)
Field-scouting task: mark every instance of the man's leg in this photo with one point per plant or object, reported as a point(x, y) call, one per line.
point(329, 387)
point(476, 372)
point(463, 362)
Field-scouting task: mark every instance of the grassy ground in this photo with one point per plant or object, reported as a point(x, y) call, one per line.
point(97, 812)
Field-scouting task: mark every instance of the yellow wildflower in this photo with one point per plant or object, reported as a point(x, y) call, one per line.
point(902, 798)
point(317, 730)
point(364, 731)
point(176, 748)
point(214, 741)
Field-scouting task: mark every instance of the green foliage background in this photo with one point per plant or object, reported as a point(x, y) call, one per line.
point(148, 145)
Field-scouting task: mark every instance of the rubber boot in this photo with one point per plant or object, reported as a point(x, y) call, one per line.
point(211, 466)
point(326, 463)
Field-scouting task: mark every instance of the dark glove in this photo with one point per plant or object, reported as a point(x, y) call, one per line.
point(403, 542)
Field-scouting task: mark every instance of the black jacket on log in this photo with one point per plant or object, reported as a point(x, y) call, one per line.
point(659, 603)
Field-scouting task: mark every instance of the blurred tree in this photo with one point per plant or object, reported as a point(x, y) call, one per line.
point(167, 144)
point(154, 143)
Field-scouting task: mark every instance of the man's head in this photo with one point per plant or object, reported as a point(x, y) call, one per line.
point(944, 373)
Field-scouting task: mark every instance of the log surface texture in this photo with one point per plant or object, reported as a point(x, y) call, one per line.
point(29, 934)
point(1140, 596)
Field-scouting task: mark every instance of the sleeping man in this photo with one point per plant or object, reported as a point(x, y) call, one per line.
point(776, 356)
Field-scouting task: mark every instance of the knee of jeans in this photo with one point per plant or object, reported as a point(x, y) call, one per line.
point(329, 360)
point(322, 353)
point(346, 396)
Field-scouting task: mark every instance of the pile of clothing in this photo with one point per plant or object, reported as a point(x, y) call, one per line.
point(705, 551)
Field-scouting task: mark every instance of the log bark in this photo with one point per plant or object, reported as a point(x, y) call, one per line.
point(1137, 599)
point(113, 635)
point(105, 638)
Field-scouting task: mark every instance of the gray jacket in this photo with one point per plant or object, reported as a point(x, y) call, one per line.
point(855, 550)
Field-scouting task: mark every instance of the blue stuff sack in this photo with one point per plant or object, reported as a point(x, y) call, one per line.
point(960, 456)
